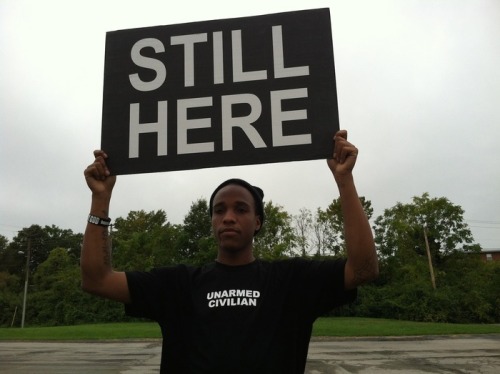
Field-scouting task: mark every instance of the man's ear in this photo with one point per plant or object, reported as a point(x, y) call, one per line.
point(258, 224)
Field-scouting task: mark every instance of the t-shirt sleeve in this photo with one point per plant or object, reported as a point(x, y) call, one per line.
point(323, 285)
point(153, 294)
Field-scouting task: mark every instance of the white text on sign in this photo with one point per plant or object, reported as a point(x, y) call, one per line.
point(228, 120)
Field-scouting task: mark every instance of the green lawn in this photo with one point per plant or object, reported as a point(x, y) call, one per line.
point(385, 327)
point(340, 327)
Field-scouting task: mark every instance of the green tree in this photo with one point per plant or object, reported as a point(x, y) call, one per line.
point(303, 229)
point(64, 238)
point(39, 241)
point(10, 298)
point(196, 244)
point(331, 222)
point(11, 261)
point(3, 244)
point(143, 240)
point(33, 239)
point(55, 281)
point(277, 238)
point(401, 228)
point(491, 290)
point(404, 289)
point(138, 221)
point(320, 234)
point(57, 298)
point(465, 285)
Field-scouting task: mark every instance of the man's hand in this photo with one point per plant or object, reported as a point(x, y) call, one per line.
point(344, 156)
point(97, 175)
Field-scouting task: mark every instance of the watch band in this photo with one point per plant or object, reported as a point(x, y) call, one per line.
point(99, 221)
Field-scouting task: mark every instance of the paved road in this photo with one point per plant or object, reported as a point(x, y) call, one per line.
point(458, 354)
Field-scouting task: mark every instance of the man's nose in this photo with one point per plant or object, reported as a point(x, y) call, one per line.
point(229, 216)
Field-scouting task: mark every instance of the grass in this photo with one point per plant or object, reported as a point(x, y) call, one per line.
point(344, 327)
point(105, 331)
point(333, 327)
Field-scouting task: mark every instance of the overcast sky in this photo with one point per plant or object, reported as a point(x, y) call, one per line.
point(418, 86)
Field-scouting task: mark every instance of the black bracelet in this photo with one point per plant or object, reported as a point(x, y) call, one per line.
point(99, 221)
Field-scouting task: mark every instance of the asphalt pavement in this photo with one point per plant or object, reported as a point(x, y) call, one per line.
point(415, 355)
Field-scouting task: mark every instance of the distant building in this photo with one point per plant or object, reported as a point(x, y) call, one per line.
point(490, 254)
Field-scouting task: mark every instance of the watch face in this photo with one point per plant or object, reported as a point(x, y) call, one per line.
point(98, 221)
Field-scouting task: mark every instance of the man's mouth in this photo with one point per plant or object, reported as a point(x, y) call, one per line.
point(228, 231)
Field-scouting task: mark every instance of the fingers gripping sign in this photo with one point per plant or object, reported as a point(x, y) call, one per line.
point(97, 174)
point(344, 155)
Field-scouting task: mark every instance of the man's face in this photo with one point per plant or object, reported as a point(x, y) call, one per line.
point(234, 220)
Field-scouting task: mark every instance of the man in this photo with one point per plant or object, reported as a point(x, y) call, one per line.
point(238, 314)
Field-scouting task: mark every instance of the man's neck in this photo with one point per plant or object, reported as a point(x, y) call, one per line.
point(235, 258)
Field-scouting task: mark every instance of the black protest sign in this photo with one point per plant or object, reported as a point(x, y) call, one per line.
point(219, 93)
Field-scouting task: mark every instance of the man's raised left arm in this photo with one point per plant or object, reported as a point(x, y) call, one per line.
point(362, 261)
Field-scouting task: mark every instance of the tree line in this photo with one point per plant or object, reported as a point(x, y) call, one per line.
point(412, 239)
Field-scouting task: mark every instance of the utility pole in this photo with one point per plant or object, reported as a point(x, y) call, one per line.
point(429, 258)
point(26, 281)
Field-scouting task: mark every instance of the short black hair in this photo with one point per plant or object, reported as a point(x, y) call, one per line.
point(257, 193)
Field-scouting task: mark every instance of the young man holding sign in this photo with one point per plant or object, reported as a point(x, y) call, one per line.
point(238, 314)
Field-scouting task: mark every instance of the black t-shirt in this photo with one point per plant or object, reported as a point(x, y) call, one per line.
point(255, 318)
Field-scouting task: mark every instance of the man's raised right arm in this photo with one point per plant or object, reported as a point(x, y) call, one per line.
point(98, 276)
